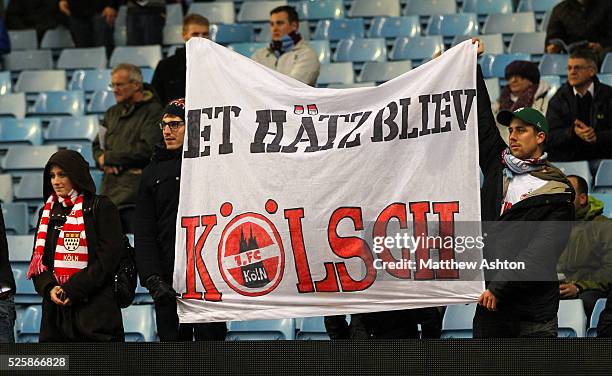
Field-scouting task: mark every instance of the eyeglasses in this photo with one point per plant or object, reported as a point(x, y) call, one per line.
point(577, 67)
point(119, 85)
point(173, 125)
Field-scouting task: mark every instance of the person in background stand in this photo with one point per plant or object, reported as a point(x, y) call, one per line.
point(145, 22)
point(91, 22)
point(7, 290)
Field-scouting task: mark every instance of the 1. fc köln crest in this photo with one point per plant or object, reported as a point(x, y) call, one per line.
point(251, 255)
point(72, 240)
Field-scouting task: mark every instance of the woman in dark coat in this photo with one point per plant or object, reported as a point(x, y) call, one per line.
point(78, 246)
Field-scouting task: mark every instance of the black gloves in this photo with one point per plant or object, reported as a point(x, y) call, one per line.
point(160, 290)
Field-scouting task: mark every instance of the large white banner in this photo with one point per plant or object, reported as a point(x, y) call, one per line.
point(297, 201)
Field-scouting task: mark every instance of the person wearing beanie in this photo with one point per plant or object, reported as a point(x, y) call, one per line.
point(524, 87)
point(155, 231)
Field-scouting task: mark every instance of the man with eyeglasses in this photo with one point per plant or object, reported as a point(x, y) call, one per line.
point(155, 222)
point(127, 136)
point(580, 113)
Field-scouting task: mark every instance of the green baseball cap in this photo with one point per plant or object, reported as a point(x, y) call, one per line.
point(529, 115)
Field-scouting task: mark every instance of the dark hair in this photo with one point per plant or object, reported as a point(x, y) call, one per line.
point(583, 187)
point(291, 12)
point(586, 54)
point(195, 19)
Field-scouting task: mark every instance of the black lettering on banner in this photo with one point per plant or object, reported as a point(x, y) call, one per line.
point(404, 103)
point(193, 134)
point(263, 119)
point(332, 129)
point(344, 143)
point(308, 126)
point(205, 134)
point(226, 146)
point(389, 121)
point(463, 114)
point(424, 100)
point(437, 99)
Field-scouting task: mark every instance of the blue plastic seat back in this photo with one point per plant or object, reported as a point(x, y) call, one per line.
point(417, 48)
point(339, 29)
point(28, 60)
point(554, 83)
point(458, 321)
point(257, 11)
point(322, 49)
point(606, 66)
point(6, 85)
point(540, 6)
point(28, 325)
point(453, 24)
point(30, 187)
point(605, 78)
point(606, 198)
point(430, 7)
point(247, 49)
point(39, 81)
point(312, 328)
point(60, 103)
point(82, 58)
point(393, 27)
point(494, 42)
point(100, 102)
point(27, 157)
point(174, 14)
point(231, 33)
point(529, 43)
point(13, 105)
point(83, 148)
point(6, 188)
point(369, 8)
point(603, 177)
point(580, 168)
point(26, 293)
point(72, 128)
point(361, 50)
point(13, 131)
point(510, 23)
point(383, 71)
point(172, 35)
point(15, 218)
point(57, 38)
point(336, 73)
point(599, 307)
point(216, 12)
point(553, 64)
point(279, 329)
point(141, 56)
point(139, 323)
point(495, 65)
point(487, 6)
point(320, 10)
point(23, 39)
point(20, 248)
point(572, 319)
point(90, 80)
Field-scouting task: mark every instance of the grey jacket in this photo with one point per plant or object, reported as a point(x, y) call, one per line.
point(301, 62)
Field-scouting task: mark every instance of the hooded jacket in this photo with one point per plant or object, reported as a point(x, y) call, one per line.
point(587, 259)
point(573, 22)
point(169, 76)
point(301, 62)
point(93, 315)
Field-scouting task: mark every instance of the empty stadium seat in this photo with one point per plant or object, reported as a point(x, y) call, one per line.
point(72, 128)
point(417, 48)
point(27, 157)
point(371, 8)
point(15, 218)
point(28, 59)
point(21, 131)
point(554, 83)
point(361, 50)
point(30, 189)
point(572, 319)
point(320, 10)
point(453, 24)
point(339, 29)
point(528, 43)
point(509, 23)
point(553, 64)
point(216, 12)
point(172, 34)
point(606, 198)
point(457, 321)
point(246, 49)
point(174, 14)
point(97, 178)
point(605, 78)
point(84, 148)
point(90, 80)
point(82, 58)
point(13, 105)
point(322, 49)
point(599, 307)
point(6, 188)
point(120, 35)
point(139, 323)
point(494, 43)
point(232, 33)
point(493, 88)
point(25, 294)
point(44, 80)
point(281, 329)
point(142, 56)
point(28, 325)
point(536, 5)
point(495, 65)
point(483, 7)
point(100, 102)
point(603, 177)
point(336, 73)
point(23, 39)
point(258, 11)
point(606, 66)
point(312, 328)
point(383, 71)
point(5, 83)
point(60, 103)
point(142, 293)
point(57, 38)
point(580, 168)
point(430, 7)
point(393, 27)
point(20, 248)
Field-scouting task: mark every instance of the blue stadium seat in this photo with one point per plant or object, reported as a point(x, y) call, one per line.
point(322, 50)
point(15, 218)
point(430, 7)
point(172, 35)
point(23, 39)
point(495, 65)
point(457, 321)
point(44, 80)
point(246, 49)
point(100, 102)
point(417, 48)
point(540, 6)
point(20, 248)
point(606, 66)
point(339, 29)
point(25, 294)
point(605, 78)
point(320, 10)
point(572, 319)
point(147, 74)
point(383, 71)
point(28, 325)
point(393, 27)
point(60, 103)
point(120, 35)
point(580, 168)
point(361, 50)
point(28, 59)
point(312, 328)
point(29, 189)
point(13, 105)
point(453, 24)
point(528, 43)
point(281, 329)
point(57, 38)
point(6, 188)
point(82, 58)
point(606, 198)
point(142, 56)
point(6, 86)
point(121, 19)
point(72, 128)
point(139, 323)
point(599, 306)
point(603, 177)
point(483, 7)
point(97, 178)
point(174, 14)
point(369, 8)
point(257, 11)
point(233, 33)
point(493, 89)
point(336, 73)
point(84, 148)
point(90, 80)
point(142, 294)
point(216, 12)
point(20, 157)
point(23, 131)
point(553, 64)
point(554, 83)
point(494, 43)
point(509, 23)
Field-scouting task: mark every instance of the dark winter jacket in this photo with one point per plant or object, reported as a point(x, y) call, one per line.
point(169, 77)
point(41, 15)
point(563, 144)
point(88, 8)
point(93, 315)
point(6, 275)
point(133, 131)
point(529, 231)
point(572, 22)
point(156, 211)
point(604, 326)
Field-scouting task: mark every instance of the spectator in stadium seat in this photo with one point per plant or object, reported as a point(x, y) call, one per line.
point(577, 21)
point(155, 224)
point(127, 136)
point(169, 77)
point(145, 22)
point(587, 259)
point(288, 53)
point(580, 113)
point(91, 22)
point(41, 15)
point(519, 185)
point(7, 290)
point(76, 254)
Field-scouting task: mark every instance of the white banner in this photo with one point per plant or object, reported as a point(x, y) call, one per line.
point(288, 191)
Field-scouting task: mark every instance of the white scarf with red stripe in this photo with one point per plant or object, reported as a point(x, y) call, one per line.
point(71, 250)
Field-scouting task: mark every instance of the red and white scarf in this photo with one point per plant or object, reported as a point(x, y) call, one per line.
point(71, 249)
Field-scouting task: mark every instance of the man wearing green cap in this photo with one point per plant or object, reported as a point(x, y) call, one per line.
point(523, 200)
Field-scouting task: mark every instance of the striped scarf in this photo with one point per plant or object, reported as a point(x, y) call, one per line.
point(514, 165)
point(71, 250)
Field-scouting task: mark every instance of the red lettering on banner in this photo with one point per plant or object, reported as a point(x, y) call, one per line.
point(395, 210)
point(419, 212)
point(446, 212)
point(302, 269)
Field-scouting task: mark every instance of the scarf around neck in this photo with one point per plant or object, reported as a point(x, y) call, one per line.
point(526, 98)
point(514, 165)
point(71, 248)
point(285, 44)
